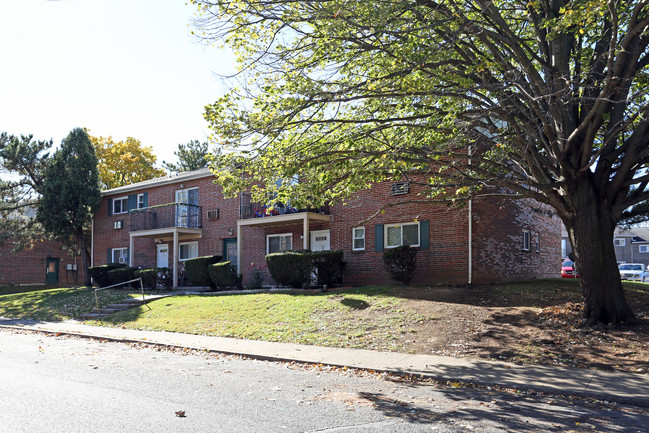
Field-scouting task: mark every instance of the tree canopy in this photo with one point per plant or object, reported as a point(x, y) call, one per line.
point(191, 156)
point(22, 171)
point(71, 193)
point(539, 99)
point(124, 162)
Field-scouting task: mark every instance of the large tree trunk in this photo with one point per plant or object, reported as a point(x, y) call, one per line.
point(591, 235)
point(85, 260)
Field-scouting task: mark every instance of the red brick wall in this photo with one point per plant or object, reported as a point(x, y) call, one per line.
point(144, 254)
point(29, 266)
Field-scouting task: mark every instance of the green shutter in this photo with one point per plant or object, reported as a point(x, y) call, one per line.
point(132, 202)
point(128, 256)
point(378, 237)
point(110, 256)
point(110, 206)
point(424, 231)
point(146, 199)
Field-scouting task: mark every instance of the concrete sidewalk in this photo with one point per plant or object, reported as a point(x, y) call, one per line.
point(611, 386)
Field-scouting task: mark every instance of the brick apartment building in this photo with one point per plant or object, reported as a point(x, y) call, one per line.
point(165, 221)
point(45, 263)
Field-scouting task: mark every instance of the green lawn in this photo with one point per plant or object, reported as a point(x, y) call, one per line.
point(367, 317)
point(55, 304)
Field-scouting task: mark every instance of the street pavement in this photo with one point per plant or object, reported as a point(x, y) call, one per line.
point(628, 388)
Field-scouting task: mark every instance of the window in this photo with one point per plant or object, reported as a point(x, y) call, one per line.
point(644, 248)
point(119, 255)
point(619, 242)
point(538, 242)
point(187, 196)
point(277, 243)
point(397, 235)
point(526, 240)
point(564, 247)
point(358, 238)
point(187, 250)
point(120, 205)
point(140, 201)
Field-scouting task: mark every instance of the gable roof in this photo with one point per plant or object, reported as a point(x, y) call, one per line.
point(166, 180)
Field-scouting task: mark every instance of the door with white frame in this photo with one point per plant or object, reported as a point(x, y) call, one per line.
point(162, 256)
point(320, 240)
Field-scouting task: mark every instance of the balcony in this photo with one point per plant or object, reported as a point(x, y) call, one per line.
point(168, 215)
point(250, 209)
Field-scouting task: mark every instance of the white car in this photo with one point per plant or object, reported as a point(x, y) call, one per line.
point(633, 272)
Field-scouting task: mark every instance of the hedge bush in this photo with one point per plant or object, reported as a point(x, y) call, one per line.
point(197, 270)
point(401, 263)
point(327, 266)
point(224, 275)
point(154, 278)
point(99, 274)
point(122, 274)
point(290, 268)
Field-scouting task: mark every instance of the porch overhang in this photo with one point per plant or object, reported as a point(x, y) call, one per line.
point(167, 234)
point(303, 218)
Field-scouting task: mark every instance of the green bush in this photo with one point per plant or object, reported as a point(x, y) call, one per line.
point(99, 274)
point(401, 262)
point(149, 277)
point(122, 274)
point(327, 266)
point(290, 268)
point(224, 275)
point(197, 270)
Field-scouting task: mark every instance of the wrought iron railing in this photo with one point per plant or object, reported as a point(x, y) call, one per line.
point(166, 216)
point(250, 209)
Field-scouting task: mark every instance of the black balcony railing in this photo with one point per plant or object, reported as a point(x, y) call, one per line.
point(250, 209)
point(166, 216)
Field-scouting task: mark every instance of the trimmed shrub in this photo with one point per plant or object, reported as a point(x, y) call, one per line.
point(223, 275)
point(290, 268)
point(122, 274)
point(401, 263)
point(327, 266)
point(197, 270)
point(149, 277)
point(99, 274)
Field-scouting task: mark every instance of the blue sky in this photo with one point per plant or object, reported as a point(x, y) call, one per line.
point(124, 68)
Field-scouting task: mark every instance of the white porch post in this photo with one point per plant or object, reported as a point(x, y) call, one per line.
point(175, 282)
point(305, 230)
point(239, 248)
point(131, 250)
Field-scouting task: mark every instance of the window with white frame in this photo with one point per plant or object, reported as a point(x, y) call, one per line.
point(280, 242)
point(644, 248)
point(397, 235)
point(140, 201)
point(538, 242)
point(526, 240)
point(187, 250)
point(119, 255)
point(120, 205)
point(358, 238)
point(619, 242)
point(564, 247)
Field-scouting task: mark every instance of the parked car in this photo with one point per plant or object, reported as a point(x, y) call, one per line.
point(632, 271)
point(568, 269)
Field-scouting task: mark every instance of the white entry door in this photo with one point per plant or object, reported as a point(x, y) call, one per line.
point(320, 240)
point(162, 255)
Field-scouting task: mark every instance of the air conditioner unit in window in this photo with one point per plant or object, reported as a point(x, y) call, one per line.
point(213, 214)
point(400, 188)
point(119, 224)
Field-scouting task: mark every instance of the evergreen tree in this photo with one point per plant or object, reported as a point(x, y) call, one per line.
point(71, 194)
point(191, 156)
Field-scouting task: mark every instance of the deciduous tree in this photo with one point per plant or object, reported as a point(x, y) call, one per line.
point(514, 98)
point(71, 193)
point(124, 162)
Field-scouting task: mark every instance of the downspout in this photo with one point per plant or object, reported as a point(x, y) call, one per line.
point(470, 231)
point(92, 241)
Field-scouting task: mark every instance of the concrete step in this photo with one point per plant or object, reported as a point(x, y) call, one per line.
point(106, 311)
point(91, 316)
point(120, 307)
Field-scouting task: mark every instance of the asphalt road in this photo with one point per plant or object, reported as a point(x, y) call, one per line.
point(69, 384)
